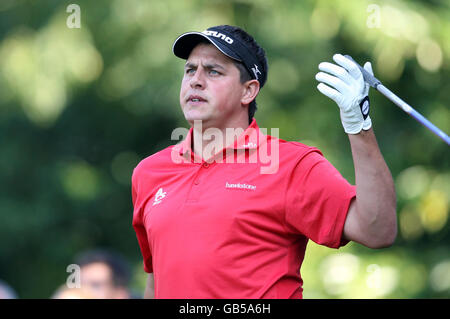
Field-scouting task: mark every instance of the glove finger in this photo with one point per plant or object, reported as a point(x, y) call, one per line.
point(335, 70)
point(368, 67)
point(349, 65)
point(333, 81)
point(330, 92)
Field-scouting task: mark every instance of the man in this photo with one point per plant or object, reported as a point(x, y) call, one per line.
point(210, 224)
point(104, 275)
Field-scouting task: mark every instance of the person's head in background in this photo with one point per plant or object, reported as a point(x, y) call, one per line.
point(64, 292)
point(6, 292)
point(104, 274)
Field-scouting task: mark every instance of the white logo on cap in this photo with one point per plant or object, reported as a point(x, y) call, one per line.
point(219, 35)
point(256, 71)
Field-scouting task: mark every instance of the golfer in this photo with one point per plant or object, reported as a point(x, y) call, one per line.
point(211, 222)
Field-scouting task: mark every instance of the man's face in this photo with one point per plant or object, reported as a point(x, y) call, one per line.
point(211, 90)
point(97, 278)
point(97, 281)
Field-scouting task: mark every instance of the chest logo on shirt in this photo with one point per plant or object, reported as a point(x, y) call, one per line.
point(160, 194)
point(240, 186)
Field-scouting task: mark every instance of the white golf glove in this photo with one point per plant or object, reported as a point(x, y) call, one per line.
point(349, 90)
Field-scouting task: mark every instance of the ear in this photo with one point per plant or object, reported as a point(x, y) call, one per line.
point(251, 90)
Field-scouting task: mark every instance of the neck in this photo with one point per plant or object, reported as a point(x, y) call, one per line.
point(207, 140)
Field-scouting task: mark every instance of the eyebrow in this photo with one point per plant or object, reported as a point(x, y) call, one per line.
point(206, 66)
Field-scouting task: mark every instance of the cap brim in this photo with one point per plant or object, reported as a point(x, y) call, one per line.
point(185, 43)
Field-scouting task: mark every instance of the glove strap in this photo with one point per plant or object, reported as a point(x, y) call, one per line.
point(365, 106)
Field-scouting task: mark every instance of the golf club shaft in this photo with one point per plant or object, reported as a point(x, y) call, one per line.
point(375, 83)
point(413, 113)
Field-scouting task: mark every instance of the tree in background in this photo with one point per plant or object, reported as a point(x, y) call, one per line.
point(80, 107)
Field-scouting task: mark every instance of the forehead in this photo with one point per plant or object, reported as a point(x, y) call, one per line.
point(208, 52)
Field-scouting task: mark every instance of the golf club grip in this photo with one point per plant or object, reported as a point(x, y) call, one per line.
point(375, 83)
point(369, 78)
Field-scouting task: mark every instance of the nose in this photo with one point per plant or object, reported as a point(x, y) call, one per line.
point(198, 79)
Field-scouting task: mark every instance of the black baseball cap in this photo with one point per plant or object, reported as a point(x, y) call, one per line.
point(225, 42)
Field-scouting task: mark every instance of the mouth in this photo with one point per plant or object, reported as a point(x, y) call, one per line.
point(195, 99)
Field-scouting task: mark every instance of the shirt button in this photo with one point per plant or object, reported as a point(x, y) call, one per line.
point(205, 165)
point(196, 182)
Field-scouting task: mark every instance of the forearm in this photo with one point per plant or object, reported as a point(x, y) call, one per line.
point(375, 192)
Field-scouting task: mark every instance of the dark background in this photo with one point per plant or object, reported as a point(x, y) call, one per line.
point(80, 107)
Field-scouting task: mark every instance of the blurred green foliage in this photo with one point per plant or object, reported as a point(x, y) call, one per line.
point(80, 107)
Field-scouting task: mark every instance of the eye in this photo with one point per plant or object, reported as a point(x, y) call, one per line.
point(190, 71)
point(214, 72)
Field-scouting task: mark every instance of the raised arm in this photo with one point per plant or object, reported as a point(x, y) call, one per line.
point(371, 219)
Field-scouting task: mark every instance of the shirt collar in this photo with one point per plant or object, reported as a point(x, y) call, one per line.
point(251, 138)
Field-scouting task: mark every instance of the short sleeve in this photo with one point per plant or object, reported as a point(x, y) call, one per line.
point(317, 200)
point(139, 228)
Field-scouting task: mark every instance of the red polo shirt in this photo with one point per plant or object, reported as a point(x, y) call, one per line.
point(239, 229)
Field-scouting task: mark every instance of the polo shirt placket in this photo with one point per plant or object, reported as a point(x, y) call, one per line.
point(239, 152)
point(196, 186)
